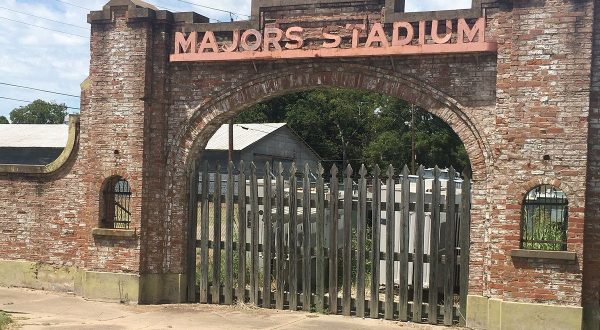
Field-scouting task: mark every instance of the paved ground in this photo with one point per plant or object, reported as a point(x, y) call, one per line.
point(33, 309)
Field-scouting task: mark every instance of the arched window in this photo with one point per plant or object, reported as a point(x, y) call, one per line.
point(116, 198)
point(544, 219)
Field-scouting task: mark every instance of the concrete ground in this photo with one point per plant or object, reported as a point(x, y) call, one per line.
point(33, 309)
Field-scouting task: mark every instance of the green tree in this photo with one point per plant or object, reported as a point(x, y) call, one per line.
point(39, 112)
point(352, 127)
point(3, 120)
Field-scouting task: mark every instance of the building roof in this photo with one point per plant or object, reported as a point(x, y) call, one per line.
point(244, 135)
point(33, 136)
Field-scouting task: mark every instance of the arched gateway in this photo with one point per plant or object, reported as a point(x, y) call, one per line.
point(518, 82)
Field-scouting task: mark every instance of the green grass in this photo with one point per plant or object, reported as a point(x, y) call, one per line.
point(5, 320)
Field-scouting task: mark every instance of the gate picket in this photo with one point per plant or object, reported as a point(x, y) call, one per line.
point(320, 244)
point(229, 237)
point(403, 242)
point(192, 233)
point(254, 236)
point(390, 230)
point(375, 241)
point(204, 237)
point(306, 258)
point(347, 243)
point(333, 228)
point(465, 243)
point(279, 254)
point(216, 280)
point(449, 250)
point(418, 252)
point(242, 225)
point(361, 228)
point(434, 246)
point(267, 238)
point(293, 244)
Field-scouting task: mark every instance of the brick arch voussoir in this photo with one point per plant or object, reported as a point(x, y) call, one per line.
point(209, 115)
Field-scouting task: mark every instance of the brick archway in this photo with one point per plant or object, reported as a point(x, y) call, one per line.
point(211, 114)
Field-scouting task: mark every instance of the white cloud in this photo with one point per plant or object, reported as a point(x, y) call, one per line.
point(49, 60)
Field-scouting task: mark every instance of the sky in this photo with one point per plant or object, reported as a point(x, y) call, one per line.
point(44, 59)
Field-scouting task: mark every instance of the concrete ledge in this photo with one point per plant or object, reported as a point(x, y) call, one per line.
point(485, 313)
point(124, 233)
point(555, 255)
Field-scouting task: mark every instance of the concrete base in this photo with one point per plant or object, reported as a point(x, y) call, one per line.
point(122, 287)
point(496, 314)
point(162, 288)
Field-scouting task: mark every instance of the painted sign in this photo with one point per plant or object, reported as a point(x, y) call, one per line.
point(274, 43)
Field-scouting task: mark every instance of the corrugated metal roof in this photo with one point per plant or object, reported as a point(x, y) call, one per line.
point(244, 135)
point(33, 136)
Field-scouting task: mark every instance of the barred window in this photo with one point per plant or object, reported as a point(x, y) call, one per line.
point(117, 197)
point(544, 219)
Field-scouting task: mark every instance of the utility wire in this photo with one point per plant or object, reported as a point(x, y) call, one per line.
point(45, 28)
point(71, 4)
point(44, 18)
point(173, 10)
point(18, 100)
point(37, 89)
point(212, 8)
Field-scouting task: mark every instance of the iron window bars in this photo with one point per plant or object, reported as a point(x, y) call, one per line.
point(544, 219)
point(117, 197)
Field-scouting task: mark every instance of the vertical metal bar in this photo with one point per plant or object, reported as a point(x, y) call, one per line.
point(361, 233)
point(375, 238)
point(333, 231)
point(241, 293)
point(465, 243)
point(306, 244)
point(450, 248)
point(419, 248)
point(403, 242)
point(229, 237)
point(204, 237)
point(192, 232)
point(320, 236)
point(279, 236)
point(254, 236)
point(347, 243)
point(216, 280)
point(390, 231)
point(293, 243)
point(267, 238)
point(434, 240)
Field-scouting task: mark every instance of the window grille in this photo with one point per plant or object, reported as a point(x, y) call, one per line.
point(544, 219)
point(117, 198)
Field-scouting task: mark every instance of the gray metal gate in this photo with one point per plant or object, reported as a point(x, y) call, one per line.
point(378, 245)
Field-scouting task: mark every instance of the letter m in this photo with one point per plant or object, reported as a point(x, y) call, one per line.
point(183, 45)
point(477, 30)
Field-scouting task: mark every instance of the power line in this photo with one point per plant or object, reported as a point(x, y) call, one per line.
point(71, 4)
point(47, 19)
point(173, 10)
point(212, 8)
point(37, 89)
point(45, 28)
point(24, 101)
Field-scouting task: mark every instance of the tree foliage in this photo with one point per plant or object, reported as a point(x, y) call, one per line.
point(4, 120)
point(39, 112)
point(352, 127)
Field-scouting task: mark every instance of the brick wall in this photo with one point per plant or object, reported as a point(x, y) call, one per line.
point(591, 254)
point(511, 109)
